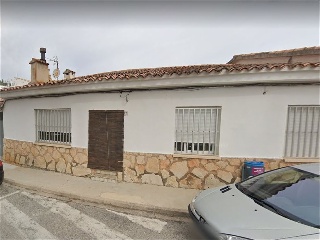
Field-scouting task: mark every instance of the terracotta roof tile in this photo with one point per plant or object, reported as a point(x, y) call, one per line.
point(169, 71)
point(282, 53)
point(38, 60)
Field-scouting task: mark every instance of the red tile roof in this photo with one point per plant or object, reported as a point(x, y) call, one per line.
point(38, 60)
point(169, 71)
point(283, 53)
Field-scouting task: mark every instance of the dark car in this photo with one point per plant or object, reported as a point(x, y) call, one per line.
point(1, 172)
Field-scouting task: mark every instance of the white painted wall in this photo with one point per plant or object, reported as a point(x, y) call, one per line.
point(252, 123)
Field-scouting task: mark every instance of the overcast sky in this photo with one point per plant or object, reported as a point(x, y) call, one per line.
point(99, 36)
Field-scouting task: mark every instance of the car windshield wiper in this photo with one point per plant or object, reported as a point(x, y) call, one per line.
point(281, 213)
point(263, 203)
point(270, 207)
point(273, 208)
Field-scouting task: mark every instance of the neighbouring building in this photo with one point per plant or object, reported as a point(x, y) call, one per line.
point(17, 81)
point(68, 74)
point(183, 126)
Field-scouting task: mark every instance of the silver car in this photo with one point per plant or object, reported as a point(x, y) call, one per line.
point(279, 204)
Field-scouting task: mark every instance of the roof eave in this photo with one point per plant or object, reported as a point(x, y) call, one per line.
point(302, 76)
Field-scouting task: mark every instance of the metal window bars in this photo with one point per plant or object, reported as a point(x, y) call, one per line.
point(197, 130)
point(302, 133)
point(53, 125)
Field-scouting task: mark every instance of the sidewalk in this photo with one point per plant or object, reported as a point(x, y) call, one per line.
point(155, 200)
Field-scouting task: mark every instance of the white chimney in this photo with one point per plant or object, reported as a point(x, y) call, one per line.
point(68, 74)
point(39, 69)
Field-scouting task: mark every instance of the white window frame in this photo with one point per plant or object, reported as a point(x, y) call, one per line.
point(197, 130)
point(53, 126)
point(302, 132)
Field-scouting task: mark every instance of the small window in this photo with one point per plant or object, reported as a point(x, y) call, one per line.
point(302, 135)
point(53, 126)
point(197, 130)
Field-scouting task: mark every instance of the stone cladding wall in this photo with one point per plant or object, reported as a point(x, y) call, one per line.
point(72, 161)
point(158, 169)
point(196, 173)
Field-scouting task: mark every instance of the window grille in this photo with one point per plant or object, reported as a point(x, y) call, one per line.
point(197, 130)
point(302, 134)
point(53, 126)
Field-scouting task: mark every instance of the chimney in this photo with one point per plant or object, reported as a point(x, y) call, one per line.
point(68, 74)
point(39, 68)
point(43, 54)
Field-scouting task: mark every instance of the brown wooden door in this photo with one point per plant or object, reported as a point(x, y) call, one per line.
point(105, 147)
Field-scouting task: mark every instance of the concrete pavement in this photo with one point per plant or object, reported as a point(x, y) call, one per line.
point(153, 200)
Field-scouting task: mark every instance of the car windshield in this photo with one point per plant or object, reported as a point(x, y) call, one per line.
point(290, 192)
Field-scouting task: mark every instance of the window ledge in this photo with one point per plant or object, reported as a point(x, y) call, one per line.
point(52, 145)
point(306, 160)
point(197, 156)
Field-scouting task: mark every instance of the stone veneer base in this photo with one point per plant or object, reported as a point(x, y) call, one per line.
point(158, 169)
point(188, 172)
point(58, 158)
point(70, 160)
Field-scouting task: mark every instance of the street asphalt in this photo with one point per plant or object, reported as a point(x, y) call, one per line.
point(27, 215)
point(154, 201)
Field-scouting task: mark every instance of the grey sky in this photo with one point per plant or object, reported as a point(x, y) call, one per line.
point(98, 36)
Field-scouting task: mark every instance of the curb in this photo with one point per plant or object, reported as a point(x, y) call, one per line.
point(127, 207)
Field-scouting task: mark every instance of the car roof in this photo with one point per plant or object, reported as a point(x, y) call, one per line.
point(310, 167)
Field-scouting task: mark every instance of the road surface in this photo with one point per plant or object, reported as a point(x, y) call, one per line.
point(26, 215)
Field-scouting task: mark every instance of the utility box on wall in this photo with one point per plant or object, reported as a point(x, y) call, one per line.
point(252, 168)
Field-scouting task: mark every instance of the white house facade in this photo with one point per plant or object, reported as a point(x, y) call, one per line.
point(190, 127)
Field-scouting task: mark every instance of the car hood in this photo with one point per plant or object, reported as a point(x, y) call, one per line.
point(232, 212)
